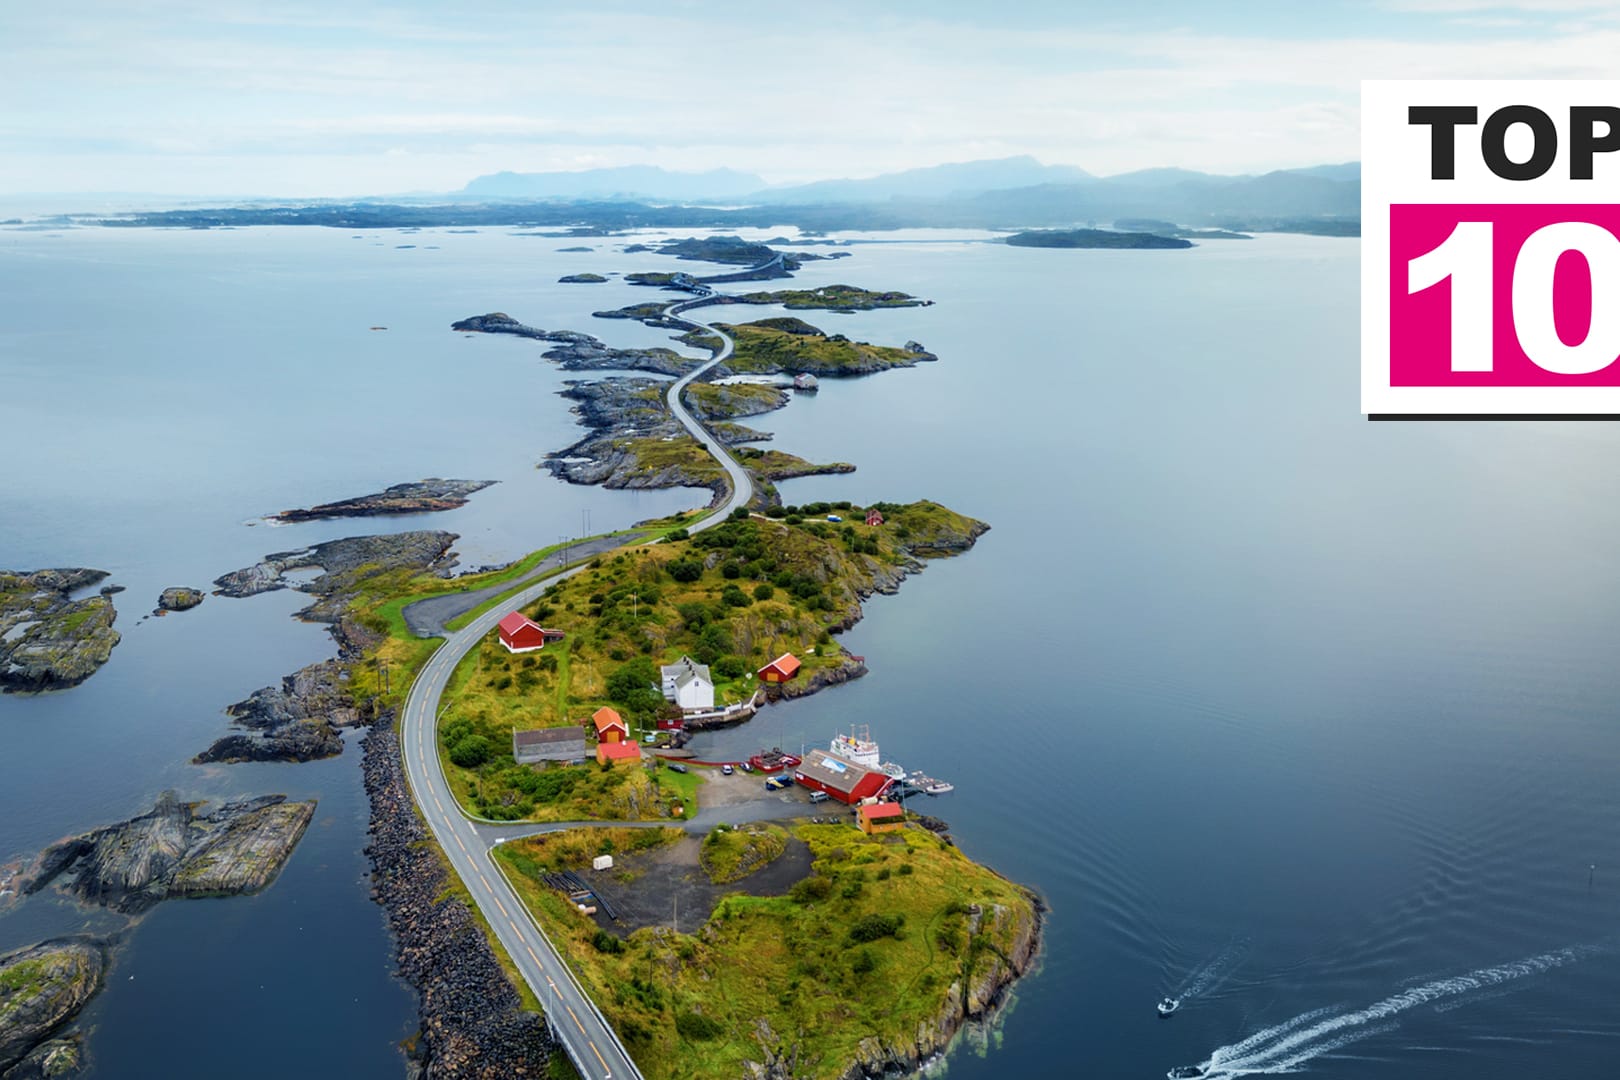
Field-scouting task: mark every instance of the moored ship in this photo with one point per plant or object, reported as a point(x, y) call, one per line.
point(773, 760)
point(858, 747)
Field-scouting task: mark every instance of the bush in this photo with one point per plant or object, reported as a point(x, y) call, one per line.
point(684, 569)
point(740, 514)
point(606, 942)
point(676, 534)
point(734, 597)
point(811, 889)
point(794, 519)
point(696, 1026)
point(731, 571)
point(470, 751)
point(852, 890)
point(730, 667)
point(776, 511)
point(863, 963)
point(548, 662)
point(763, 592)
point(873, 927)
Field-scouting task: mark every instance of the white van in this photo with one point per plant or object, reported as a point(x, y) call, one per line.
point(818, 796)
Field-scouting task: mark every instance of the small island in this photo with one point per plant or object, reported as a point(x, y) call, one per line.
point(416, 497)
point(1095, 238)
point(581, 279)
point(48, 640)
point(42, 988)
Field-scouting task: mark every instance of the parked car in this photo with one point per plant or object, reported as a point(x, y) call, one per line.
point(726, 770)
point(747, 767)
point(676, 766)
point(818, 796)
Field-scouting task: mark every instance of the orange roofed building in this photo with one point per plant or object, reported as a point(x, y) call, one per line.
point(610, 726)
point(617, 751)
point(780, 670)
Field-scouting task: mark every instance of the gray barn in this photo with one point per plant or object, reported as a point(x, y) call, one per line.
point(548, 744)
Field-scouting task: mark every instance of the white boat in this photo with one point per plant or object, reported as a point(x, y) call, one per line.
point(1169, 1005)
point(939, 787)
point(858, 748)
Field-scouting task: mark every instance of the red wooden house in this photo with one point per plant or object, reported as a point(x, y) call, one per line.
point(521, 634)
point(610, 726)
point(780, 670)
point(874, 517)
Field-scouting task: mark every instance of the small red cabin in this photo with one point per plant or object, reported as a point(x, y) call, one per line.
point(521, 634)
point(610, 726)
point(874, 517)
point(780, 670)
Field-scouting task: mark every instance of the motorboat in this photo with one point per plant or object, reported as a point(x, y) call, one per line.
point(1185, 1072)
point(1168, 1005)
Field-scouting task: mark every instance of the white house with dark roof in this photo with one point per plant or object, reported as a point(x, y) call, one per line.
point(687, 684)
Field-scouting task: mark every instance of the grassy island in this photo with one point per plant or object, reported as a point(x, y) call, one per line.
point(769, 346)
point(835, 298)
point(1095, 238)
point(869, 958)
point(731, 597)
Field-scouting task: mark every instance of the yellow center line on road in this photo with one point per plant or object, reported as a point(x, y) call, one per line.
point(598, 1054)
point(577, 1024)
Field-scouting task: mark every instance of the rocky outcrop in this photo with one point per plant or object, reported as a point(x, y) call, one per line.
point(342, 560)
point(845, 670)
point(298, 720)
point(634, 441)
point(50, 1060)
point(581, 279)
point(416, 497)
point(299, 740)
point(49, 641)
point(586, 353)
point(473, 1023)
point(41, 988)
point(178, 598)
point(499, 322)
point(174, 851)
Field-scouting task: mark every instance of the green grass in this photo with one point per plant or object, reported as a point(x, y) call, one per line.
point(682, 787)
point(717, 401)
point(731, 854)
point(793, 963)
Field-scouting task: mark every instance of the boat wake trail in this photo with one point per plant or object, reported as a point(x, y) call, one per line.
point(1284, 1047)
point(1214, 972)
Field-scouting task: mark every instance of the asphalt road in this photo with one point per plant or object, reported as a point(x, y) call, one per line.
point(581, 1028)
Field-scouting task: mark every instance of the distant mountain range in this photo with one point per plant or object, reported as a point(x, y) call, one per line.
point(1015, 192)
point(625, 182)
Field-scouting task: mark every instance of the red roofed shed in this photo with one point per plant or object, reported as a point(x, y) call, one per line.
point(780, 670)
point(610, 726)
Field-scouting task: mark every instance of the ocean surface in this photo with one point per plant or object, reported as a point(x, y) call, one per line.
point(1309, 721)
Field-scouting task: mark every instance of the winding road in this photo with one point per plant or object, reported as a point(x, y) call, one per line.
point(583, 1031)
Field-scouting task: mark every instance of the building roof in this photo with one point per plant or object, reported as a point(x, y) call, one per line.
point(684, 671)
point(553, 736)
point(833, 772)
point(787, 664)
point(606, 717)
point(879, 811)
point(618, 751)
point(515, 621)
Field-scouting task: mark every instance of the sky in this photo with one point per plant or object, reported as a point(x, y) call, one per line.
point(200, 98)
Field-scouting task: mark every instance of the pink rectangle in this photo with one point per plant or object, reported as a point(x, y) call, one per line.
point(1420, 323)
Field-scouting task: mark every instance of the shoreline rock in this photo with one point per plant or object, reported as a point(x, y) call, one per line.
point(624, 416)
point(178, 598)
point(42, 988)
point(415, 497)
point(473, 1023)
point(172, 851)
point(49, 641)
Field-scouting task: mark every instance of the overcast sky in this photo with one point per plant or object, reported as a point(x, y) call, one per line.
point(221, 97)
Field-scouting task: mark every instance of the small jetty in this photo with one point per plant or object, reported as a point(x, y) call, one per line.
point(921, 783)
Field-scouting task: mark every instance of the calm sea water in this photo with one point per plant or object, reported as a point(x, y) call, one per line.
point(1308, 719)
